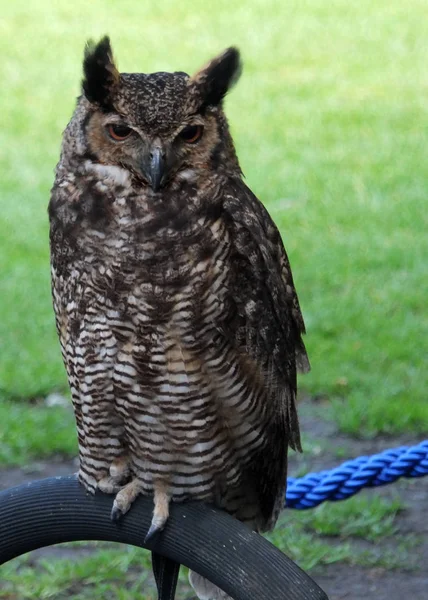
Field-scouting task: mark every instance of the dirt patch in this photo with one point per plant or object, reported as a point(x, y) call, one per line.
point(343, 582)
point(411, 580)
point(37, 470)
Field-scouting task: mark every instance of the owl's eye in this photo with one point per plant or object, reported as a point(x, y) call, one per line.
point(191, 133)
point(118, 132)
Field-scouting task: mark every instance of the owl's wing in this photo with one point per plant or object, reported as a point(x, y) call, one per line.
point(268, 327)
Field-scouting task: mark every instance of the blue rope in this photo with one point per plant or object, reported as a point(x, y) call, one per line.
point(349, 478)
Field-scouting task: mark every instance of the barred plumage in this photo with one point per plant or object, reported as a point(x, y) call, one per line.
point(176, 310)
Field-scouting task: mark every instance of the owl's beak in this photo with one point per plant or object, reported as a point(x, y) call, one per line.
point(156, 167)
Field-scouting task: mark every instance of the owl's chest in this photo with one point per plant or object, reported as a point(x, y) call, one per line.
point(152, 266)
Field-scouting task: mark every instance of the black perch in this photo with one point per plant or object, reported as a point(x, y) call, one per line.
point(205, 539)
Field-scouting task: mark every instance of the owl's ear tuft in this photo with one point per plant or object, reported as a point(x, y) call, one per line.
point(101, 76)
point(215, 79)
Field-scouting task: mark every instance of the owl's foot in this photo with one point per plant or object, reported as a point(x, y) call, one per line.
point(206, 590)
point(120, 467)
point(109, 485)
point(124, 498)
point(119, 473)
point(160, 512)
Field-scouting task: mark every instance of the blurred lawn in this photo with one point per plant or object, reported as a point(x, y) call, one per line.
point(330, 120)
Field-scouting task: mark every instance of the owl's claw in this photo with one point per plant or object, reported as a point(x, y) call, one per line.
point(160, 513)
point(116, 514)
point(154, 529)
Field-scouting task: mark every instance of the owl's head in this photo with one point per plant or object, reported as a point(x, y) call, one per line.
point(160, 126)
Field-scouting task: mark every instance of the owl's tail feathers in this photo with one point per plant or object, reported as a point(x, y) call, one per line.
point(160, 512)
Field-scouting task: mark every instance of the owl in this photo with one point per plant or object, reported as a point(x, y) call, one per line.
point(178, 319)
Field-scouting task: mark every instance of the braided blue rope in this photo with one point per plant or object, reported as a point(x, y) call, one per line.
point(349, 478)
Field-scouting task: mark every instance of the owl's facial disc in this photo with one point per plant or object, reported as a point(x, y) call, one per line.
point(116, 139)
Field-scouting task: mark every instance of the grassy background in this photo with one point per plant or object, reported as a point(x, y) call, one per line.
point(330, 120)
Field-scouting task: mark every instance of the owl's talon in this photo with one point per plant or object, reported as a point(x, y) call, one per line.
point(116, 514)
point(154, 529)
point(160, 512)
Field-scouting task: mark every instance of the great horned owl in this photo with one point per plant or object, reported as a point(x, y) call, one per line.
point(176, 311)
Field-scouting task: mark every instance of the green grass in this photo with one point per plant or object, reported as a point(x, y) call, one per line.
point(330, 532)
point(330, 124)
point(107, 571)
point(35, 431)
point(366, 516)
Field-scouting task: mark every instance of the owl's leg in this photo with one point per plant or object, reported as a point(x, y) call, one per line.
point(100, 439)
point(160, 511)
point(206, 590)
point(92, 468)
point(92, 464)
point(119, 473)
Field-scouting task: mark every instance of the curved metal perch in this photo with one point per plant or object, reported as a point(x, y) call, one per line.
point(210, 542)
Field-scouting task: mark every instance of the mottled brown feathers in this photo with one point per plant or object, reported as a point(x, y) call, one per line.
point(178, 318)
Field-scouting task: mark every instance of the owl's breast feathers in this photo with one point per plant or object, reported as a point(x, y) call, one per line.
point(196, 292)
